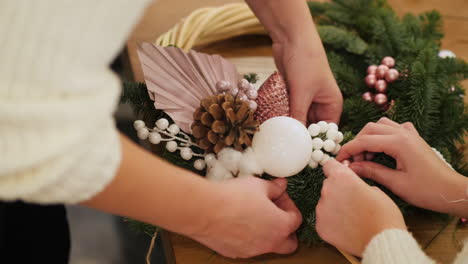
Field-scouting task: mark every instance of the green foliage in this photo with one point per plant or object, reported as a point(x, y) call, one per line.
point(357, 33)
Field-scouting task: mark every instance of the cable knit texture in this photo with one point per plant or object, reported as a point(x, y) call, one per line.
point(396, 246)
point(58, 142)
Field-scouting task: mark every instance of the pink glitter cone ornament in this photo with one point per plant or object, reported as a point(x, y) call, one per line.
point(273, 99)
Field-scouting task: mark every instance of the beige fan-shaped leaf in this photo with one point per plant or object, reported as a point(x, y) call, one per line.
point(177, 81)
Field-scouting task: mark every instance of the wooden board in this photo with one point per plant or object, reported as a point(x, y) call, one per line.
point(163, 14)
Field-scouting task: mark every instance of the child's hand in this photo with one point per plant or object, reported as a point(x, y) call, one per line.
point(421, 178)
point(350, 212)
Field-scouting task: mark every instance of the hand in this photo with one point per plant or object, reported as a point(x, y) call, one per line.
point(421, 178)
point(255, 217)
point(314, 94)
point(350, 212)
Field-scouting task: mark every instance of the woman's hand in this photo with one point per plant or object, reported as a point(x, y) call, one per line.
point(301, 59)
point(254, 217)
point(350, 212)
point(421, 178)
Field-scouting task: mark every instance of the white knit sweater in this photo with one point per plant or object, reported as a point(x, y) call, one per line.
point(58, 142)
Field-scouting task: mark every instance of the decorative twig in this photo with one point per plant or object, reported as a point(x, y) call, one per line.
point(150, 249)
point(350, 258)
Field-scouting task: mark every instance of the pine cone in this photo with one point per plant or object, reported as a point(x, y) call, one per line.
point(223, 121)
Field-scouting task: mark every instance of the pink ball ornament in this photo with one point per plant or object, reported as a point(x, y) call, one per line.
point(252, 94)
point(371, 79)
point(380, 99)
point(243, 85)
point(223, 86)
point(242, 96)
point(372, 69)
point(381, 86)
point(392, 75)
point(368, 96)
point(234, 91)
point(388, 61)
point(381, 71)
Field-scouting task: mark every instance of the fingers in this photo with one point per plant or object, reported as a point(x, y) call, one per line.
point(378, 129)
point(276, 188)
point(388, 122)
point(332, 167)
point(292, 214)
point(299, 105)
point(330, 112)
point(288, 246)
point(389, 144)
point(376, 172)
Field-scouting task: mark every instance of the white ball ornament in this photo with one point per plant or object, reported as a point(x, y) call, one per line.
point(143, 133)
point(317, 143)
point(282, 146)
point(162, 123)
point(199, 164)
point(186, 153)
point(317, 155)
point(173, 129)
point(138, 124)
point(324, 159)
point(154, 138)
point(332, 134)
point(313, 164)
point(332, 126)
point(210, 159)
point(314, 130)
point(323, 126)
point(337, 149)
point(329, 145)
point(339, 138)
point(171, 146)
point(447, 54)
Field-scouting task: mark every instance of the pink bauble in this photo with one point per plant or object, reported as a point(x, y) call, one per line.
point(389, 62)
point(372, 69)
point(346, 163)
point(381, 86)
point(223, 86)
point(243, 85)
point(370, 80)
point(380, 99)
point(392, 75)
point(368, 96)
point(253, 105)
point(234, 91)
point(381, 71)
point(252, 94)
point(242, 96)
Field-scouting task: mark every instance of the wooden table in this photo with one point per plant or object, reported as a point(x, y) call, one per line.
point(163, 14)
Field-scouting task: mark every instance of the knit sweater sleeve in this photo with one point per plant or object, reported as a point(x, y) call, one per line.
point(394, 246)
point(58, 142)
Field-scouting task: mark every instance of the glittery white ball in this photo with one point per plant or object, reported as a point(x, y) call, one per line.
point(313, 164)
point(317, 143)
point(332, 134)
point(317, 155)
point(210, 159)
point(332, 126)
point(447, 54)
point(154, 138)
point(324, 159)
point(186, 153)
point(162, 123)
point(282, 146)
point(323, 126)
point(253, 105)
point(252, 94)
point(143, 133)
point(173, 129)
point(138, 124)
point(329, 145)
point(339, 138)
point(337, 149)
point(243, 85)
point(314, 130)
point(199, 164)
point(242, 96)
point(171, 146)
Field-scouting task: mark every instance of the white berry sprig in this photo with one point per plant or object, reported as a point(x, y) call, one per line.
point(176, 139)
point(326, 141)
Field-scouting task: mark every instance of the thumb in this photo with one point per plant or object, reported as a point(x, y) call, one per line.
point(375, 172)
point(276, 188)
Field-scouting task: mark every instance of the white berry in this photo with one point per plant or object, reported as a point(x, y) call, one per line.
point(143, 133)
point(317, 143)
point(323, 126)
point(339, 137)
point(332, 126)
point(337, 149)
point(313, 164)
point(324, 159)
point(162, 123)
point(186, 153)
point(253, 105)
point(329, 145)
point(171, 146)
point(154, 138)
point(138, 124)
point(317, 155)
point(173, 129)
point(314, 130)
point(210, 159)
point(332, 134)
point(199, 164)
point(252, 94)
